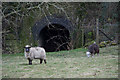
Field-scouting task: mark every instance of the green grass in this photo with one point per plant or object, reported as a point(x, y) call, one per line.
point(63, 64)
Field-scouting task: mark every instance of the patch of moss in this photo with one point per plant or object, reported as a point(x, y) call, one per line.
point(113, 43)
point(102, 44)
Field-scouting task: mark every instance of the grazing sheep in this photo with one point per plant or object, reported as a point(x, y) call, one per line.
point(93, 49)
point(35, 53)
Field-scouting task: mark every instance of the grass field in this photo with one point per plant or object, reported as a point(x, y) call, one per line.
point(63, 64)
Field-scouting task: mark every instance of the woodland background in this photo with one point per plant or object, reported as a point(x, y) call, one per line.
point(19, 17)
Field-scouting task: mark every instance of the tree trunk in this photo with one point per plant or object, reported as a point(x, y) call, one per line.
point(97, 31)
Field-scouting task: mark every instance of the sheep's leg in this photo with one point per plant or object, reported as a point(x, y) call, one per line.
point(98, 54)
point(30, 61)
point(41, 61)
point(91, 54)
point(45, 61)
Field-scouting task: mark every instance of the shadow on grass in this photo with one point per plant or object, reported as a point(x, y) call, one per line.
point(25, 64)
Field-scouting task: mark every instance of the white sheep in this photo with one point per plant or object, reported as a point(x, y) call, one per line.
point(35, 53)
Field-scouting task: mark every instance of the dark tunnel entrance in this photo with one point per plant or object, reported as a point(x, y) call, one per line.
point(54, 37)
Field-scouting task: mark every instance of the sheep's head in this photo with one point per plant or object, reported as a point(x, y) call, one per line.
point(27, 48)
point(88, 54)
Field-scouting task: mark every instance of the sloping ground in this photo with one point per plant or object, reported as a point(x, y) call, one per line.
point(64, 64)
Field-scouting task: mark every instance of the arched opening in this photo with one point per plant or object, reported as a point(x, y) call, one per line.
point(54, 37)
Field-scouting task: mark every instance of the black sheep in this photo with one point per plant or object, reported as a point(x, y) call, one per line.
point(93, 49)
